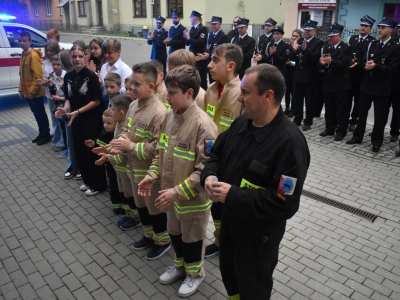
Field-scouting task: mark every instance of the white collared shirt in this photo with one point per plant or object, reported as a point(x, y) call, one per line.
point(216, 32)
point(243, 36)
point(176, 26)
point(268, 35)
point(384, 42)
point(309, 39)
point(335, 46)
point(120, 68)
point(277, 43)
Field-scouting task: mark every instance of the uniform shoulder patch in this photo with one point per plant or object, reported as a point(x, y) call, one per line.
point(287, 185)
point(208, 144)
point(202, 35)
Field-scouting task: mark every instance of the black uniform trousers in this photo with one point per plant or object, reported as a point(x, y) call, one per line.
point(337, 112)
point(92, 175)
point(288, 95)
point(354, 93)
point(394, 101)
point(381, 111)
point(248, 256)
point(319, 100)
point(201, 66)
point(307, 91)
point(112, 183)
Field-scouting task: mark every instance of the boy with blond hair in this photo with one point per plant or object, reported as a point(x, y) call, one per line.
point(187, 136)
point(139, 141)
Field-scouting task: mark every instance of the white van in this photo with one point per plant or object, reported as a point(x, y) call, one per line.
point(10, 53)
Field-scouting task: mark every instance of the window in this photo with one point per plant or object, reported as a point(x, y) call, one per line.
point(156, 8)
point(175, 5)
point(61, 8)
point(36, 9)
point(13, 33)
point(25, 11)
point(48, 8)
point(81, 7)
point(139, 6)
point(392, 11)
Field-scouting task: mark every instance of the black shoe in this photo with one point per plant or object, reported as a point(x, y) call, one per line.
point(36, 139)
point(157, 251)
point(326, 133)
point(376, 149)
point(43, 140)
point(338, 138)
point(394, 138)
point(290, 114)
point(211, 250)
point(143, 243)
point(306, 127)
point(119, 211)
point(352, 127)
point(352, 142)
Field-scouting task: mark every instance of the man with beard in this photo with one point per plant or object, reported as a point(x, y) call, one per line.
point(175, 38)
point(196, 39)
point(156, 39)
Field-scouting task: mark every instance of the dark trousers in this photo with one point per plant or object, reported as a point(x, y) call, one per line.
point(319, 101)
point(37, 107)
point(304, 91)
point(381, 111)
point(288, 95)
point(354, 97)
point(395, 103)
point(92, 175)
point(201, 66)
point(337, 112)
point(164, 63)
point(248, 256)
point(112, 183)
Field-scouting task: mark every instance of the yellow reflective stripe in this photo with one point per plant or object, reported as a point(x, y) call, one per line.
point(161, 237)
point(140, 150)
point(100, 143)
point(194, 268)
point(154, 169)
point(235, 297)
point(167, 105)
point(178, 262)
point(184, 154)
point(247, 184)
point(125, 206)
point(118, 159)
point(217, 224)
point(225, 122)
point(139, 173)
point(143, 133)
point(148, 229)
point(129, 123)
point(192, 208)
point(117, 205)
point(121, 169)
point(187, 190)
point(210, 111)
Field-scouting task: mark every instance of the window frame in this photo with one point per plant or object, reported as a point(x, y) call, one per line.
point(36, 9)
point(61, 8)
point(16, 30)
point(48, 8)
point(156, 3)
point(175, 3)
point(141, 15)
point(81, 8)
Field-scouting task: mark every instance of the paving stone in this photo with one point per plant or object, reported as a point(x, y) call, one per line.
point(64, 294)
point(108, 284)
point(101, 294)
point(46, 293)
point(27, 292)
point(71, 282)
point(82, 293)
point(9, 291)
point(17, 277)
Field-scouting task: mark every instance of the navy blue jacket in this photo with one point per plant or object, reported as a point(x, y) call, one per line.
point(176, 36)
point(159, 49)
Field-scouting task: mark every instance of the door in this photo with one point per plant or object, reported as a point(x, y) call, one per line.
point(100, 12)
point(5, 78)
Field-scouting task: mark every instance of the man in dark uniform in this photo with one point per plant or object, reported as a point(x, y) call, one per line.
point(360, 43)
point(196, 39)
point(395, 99)
point(156, 39)
point(267, 37)
point(276, 52)
point(306, 54)
point(215, 38)
point(381, 63)
point(175, 38)
point(234, 32)
point(247, 43)
point(335, 61)
point(257, 169)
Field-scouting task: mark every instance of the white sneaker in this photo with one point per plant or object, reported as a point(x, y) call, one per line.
point(84, 187)
point(91, 192)
point(189, 286)
point(171, 275)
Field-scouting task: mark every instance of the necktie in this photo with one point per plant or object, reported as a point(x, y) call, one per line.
point(382, 44)
point(361, 40)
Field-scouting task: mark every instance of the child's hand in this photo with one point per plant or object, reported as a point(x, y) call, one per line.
point(89, 143)
point(92, 66)
point(164, 200)
point(61, 111)
point(114, 151)
point(145, 187)
point(121, 143)
point(99, 150)
point(103, 158)
point(58, 98)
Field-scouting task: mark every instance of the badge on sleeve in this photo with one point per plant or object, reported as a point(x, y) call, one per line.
point(202, 35)
point(208, 144)
point(287, 185)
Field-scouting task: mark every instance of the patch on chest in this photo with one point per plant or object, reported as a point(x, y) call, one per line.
point(141, 125)
point(227, 114)
point(287, 185)
point(184, 145)
point(202, 35)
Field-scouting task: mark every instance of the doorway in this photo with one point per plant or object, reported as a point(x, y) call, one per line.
point(100, 12)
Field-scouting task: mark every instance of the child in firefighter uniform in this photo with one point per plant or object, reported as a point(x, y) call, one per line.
point(139, 140)
point(187, 135)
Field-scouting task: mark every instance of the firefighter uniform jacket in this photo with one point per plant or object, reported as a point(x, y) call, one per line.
point(143, 121)
point(119, 161)
point(266, 167)
point(262, 41)
point(359, 52)
point(161, 92)
point(227, 108)
point(183, 150)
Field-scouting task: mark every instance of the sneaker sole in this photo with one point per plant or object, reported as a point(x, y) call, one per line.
point(92, 194)
point(211, 255)
point(69, 177)
point(130, 228)
point(171, 281)
point(191, 293)
point(142, 248)
point(161, 254)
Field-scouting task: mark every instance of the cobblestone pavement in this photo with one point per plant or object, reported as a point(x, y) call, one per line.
point(56, 243)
